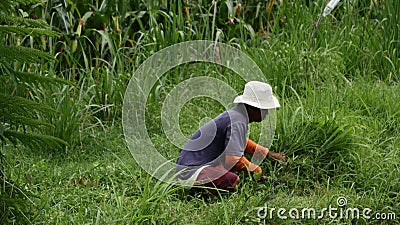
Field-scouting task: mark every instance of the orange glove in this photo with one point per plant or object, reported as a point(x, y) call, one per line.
point(253, 148)
point(244, 165)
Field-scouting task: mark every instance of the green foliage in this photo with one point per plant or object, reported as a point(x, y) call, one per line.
point(15, 205)
point(71, 112)
point(338, 121)
point(27, 31)
point(22, 54)
point(35, 78)
point(20, 117)
point(7, 5)
point(17, 111)
point(9, 20)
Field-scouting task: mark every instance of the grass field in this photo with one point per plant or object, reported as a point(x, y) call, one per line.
point(101, 183)
point(338, 122)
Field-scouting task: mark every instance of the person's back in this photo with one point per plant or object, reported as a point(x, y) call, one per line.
point(212, 141)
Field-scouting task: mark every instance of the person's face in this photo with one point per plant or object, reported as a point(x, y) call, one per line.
point(259, 115)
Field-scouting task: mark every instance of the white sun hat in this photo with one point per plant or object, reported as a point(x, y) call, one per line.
point(259, 95)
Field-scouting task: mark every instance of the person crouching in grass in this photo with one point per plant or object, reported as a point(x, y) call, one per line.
point(216, 150)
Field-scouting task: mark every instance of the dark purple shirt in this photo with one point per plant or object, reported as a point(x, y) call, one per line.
point(225, 134)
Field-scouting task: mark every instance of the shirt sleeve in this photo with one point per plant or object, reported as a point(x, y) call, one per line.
point(235, 140)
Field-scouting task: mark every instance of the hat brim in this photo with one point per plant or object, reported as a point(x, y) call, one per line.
point(271, 105)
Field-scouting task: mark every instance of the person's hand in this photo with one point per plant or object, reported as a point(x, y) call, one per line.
point(279, 156)
point(257, 174)
point(257, 169)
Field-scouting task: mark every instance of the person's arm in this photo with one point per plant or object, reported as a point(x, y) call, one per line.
point(253, 148)
point(241, 164)
point(260, 151)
